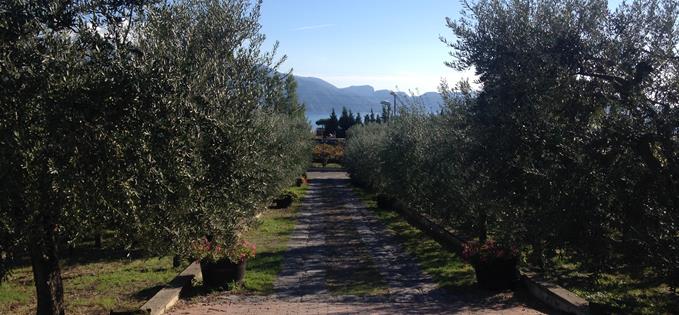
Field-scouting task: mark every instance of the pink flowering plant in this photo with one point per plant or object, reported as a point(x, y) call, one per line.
point(212, 251)
point(242, 251)
point(476, 253)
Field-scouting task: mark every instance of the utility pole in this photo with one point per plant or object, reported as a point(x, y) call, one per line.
point(394, 94)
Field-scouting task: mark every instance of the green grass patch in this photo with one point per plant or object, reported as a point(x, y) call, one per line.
point(93, 288)
point(271, 238)
point(447, 268)
point(643, 293)
point(119, 283)
point(14, 294)
point(298, 192)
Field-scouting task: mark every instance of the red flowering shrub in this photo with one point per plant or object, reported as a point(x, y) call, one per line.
point(211, 251)
point(243, 251)
point(476, 253)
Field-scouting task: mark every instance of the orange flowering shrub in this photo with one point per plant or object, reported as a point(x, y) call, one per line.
point(328, 153)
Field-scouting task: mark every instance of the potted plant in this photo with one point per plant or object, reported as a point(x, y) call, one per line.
point(301, 181)
point(221, 264)
point(495, 265)
point(284, 200)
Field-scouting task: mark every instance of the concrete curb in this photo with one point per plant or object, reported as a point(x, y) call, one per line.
point(440, 234)
point(169, 295)
point(554, 295)
point(551, 294)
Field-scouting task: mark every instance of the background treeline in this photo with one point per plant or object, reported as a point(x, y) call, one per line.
point(569, 149)
point(338, 127)
point(160, 122)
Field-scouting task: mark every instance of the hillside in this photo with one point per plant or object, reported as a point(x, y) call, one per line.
point(321, 97)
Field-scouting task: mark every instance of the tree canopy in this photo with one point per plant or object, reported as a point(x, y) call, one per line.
point(151, 120)
point(571, 145)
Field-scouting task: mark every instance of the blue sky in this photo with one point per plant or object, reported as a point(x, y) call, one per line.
point(389, 44)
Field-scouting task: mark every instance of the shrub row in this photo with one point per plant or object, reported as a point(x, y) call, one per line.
point(569, 148)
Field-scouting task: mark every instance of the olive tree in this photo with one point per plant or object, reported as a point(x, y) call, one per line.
point(67, 128)
point(569, 147)
point(362, 155)
point(205, 59)
point(151, 120)
point(578, 117)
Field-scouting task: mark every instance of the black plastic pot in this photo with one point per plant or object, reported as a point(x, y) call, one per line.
point(497, 274)
point(283, 201)
point(385, 202)
point(221, 273)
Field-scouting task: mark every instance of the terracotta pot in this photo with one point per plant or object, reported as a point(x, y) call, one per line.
point(497, 274)
point(222, 272)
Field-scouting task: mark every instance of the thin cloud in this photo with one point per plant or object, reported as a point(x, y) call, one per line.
point(312, 27)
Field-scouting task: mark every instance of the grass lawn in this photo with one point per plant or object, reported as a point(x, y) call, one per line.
point(92, 288)
point(97, 284)
point(271, 238)
point(447, 269)
point(643, 293)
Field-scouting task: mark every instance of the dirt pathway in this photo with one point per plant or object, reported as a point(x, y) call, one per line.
point(342, 260)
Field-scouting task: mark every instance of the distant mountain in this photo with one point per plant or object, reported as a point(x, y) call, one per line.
point(321, 97)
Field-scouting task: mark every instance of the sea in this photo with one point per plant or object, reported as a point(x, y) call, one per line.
point(314, 117)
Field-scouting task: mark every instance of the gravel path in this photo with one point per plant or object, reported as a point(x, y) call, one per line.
point(338, 244)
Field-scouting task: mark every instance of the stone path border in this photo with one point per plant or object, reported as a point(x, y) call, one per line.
point(169, 295)
point(552, 295)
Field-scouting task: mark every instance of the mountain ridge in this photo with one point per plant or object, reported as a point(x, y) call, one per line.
point(320, 97)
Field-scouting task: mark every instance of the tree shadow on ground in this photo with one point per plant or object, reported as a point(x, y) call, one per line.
point(147, 293)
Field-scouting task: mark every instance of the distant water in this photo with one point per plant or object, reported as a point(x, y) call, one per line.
point(312, 118)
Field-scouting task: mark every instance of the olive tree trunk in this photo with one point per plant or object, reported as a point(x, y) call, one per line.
point(46, 272)
point(97, 239)
point(483, 226)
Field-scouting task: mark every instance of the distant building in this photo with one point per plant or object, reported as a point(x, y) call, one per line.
point(320, 132)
